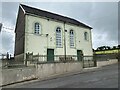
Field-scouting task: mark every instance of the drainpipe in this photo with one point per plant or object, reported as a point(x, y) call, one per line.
point(65, 41)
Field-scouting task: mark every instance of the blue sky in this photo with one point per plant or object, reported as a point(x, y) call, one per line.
point(102, 16)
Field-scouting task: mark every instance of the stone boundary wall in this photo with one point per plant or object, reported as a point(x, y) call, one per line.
point(17, 75)
point(48, 70)
point(40, 71)
point(108, 62)
point(43, 71)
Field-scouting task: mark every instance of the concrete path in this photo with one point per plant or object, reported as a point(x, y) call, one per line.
point(104, 77)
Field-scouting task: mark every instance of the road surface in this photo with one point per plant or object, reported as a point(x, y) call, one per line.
point(105, 77)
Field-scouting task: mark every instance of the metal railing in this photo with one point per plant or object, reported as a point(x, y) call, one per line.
point(46, 59)
point(87, 61)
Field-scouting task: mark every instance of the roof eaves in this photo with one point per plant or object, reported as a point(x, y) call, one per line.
point(79, 24)
point(69, 19)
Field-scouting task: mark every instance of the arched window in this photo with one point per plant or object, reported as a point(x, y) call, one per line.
point(58, 37)
point(71, 38)
point(86, 36)
point(37, 28)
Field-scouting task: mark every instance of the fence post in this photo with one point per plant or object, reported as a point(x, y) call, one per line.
point(26, 59)
point(89, 62)
point(118, 55)
point(95, 61)
point(38, 58)
point(83, 61)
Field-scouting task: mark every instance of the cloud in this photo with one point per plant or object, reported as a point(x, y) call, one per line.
point(103, 17)
point(7, 39)
point(9, 12)
point(9, 15)
point(8, 42)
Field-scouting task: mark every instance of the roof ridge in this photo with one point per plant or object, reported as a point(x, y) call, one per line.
point(52, 15)
point(46, 11)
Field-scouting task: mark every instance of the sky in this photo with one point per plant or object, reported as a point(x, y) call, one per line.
point(101, 16)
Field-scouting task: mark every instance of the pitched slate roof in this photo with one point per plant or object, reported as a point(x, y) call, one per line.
point(35, 11)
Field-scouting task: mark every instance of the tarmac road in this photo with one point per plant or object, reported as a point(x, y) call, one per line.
point(104, 77)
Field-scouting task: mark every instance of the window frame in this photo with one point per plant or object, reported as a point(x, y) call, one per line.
point(72, 38)
point(86, 36)
point(37, 29)
point(58, 33)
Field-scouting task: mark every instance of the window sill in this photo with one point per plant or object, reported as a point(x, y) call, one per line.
point(59, 47)
point(38, 34)
point(72, 47)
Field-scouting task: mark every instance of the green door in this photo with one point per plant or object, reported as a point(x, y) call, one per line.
point(79, 55)
point(50, 54)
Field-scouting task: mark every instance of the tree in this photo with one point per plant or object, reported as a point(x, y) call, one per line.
point(119, 46)
point(114, 47)
point(103, 48)
point(100, 48)
point(108, 48)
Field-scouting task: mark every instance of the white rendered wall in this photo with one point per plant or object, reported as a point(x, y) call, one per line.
point(40, 43)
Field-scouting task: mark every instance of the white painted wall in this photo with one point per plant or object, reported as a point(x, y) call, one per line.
point(40, 43)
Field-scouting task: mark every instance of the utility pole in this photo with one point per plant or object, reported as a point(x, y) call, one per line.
point(0, 26)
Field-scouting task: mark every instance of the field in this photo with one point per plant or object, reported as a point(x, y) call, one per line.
point(107, 51)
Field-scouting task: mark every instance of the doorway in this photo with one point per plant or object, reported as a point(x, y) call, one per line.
point(50, 54)
point(79, 55)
